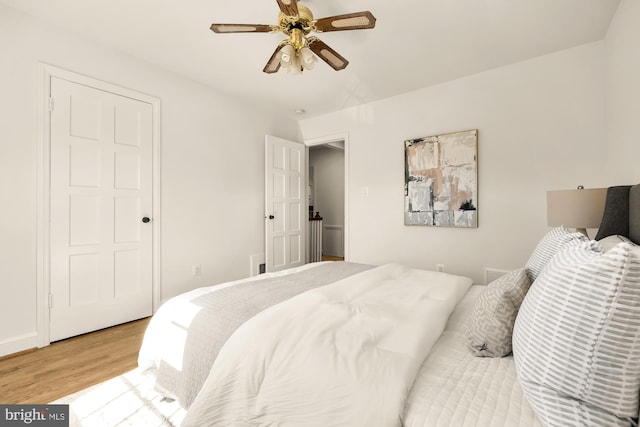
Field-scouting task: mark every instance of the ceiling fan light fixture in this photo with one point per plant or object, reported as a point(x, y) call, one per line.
point(287, 55)
point(290, 60)
point(296, 60)
point(295, 67)
point(308, 59)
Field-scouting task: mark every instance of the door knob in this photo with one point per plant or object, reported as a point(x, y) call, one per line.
point(146, 219)
point(271, 217)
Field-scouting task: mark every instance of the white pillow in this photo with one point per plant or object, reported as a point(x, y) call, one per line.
point(549, 246)
point(610, 242)
point(576, 340)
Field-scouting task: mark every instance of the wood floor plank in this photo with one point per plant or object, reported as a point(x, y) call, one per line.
point(332, 258)
point(64, 367)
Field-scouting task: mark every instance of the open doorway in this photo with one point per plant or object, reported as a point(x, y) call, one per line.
point(326, 179)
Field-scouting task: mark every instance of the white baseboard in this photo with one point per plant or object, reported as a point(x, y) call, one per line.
point(16, 344)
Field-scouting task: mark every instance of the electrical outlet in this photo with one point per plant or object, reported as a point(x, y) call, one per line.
point(440, 268)
point(197, 270)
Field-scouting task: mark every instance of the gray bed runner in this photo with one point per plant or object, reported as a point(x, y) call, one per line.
point(222, 311)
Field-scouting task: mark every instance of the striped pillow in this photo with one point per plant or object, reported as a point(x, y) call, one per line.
point(576, 341)
point(494, 312)
point(549, 246)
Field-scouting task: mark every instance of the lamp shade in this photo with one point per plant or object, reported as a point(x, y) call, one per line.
point(580, 209)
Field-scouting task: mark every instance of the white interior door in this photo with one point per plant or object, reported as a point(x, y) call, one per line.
point(100, 209)
point(286, 210)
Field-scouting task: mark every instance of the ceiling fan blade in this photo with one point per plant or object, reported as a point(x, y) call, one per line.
point(273, 65)
point(240, 28)
point(288, 7)
point(328, 55)
point(350, 21)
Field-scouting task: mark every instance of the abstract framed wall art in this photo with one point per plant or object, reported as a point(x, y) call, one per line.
point(441, 180)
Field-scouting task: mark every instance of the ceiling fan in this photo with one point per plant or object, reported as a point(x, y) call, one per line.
point(296, 21)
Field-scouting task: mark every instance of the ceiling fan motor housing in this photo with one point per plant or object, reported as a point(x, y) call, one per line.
point(303, 22)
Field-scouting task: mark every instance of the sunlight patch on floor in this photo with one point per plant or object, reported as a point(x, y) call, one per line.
point(128, 399)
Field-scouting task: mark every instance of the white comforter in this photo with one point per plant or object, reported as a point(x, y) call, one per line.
point(344, 354)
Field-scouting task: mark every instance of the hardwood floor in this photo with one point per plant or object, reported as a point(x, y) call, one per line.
point(331, 258)
point(43, 375)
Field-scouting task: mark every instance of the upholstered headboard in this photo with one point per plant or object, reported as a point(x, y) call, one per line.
point(621, 213)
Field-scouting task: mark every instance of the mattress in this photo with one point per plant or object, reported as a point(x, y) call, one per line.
point(455, 388)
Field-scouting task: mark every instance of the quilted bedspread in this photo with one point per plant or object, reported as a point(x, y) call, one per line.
point(455, 388)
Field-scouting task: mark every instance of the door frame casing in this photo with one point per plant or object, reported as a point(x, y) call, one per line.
point(324, 140)
point(46, 73)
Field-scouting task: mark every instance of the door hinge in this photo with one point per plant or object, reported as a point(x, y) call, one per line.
point(50, 300)
point(50, 103)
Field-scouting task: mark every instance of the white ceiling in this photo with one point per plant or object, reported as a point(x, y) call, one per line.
point(416, 43)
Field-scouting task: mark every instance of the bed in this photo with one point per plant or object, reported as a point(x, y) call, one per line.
point(338, 343)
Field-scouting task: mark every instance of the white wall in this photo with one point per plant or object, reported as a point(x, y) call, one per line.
point(212, 168)
point(622, 46)
point(541, 127)
point(328, 192)
point(547, 123)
